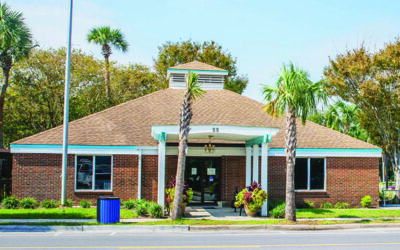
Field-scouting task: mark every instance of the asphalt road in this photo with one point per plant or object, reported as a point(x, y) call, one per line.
point(344, 239)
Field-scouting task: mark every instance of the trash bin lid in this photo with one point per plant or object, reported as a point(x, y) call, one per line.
point(108, 198)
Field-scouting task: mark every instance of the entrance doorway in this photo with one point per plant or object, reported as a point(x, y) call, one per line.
point(203, 175)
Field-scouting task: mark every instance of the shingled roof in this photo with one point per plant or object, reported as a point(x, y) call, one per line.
point(196, 65)
point(130, 123)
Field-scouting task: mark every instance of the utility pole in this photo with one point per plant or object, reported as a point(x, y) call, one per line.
point(66, 111)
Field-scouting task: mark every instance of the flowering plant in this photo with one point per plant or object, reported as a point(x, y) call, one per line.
point(186, 196)
point(251, 197)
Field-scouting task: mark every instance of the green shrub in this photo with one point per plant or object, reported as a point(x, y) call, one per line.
point(10, 202)
point(326, 205)
point(279, 211)
point(48, 204)
point(342, 205)
point(129, 204)
point(141, 207)
point(366, 201)
point(309, 204)
point(68, 203)
point(155, 210)
point(29, 203)
point(273, 204)
point(85, 204)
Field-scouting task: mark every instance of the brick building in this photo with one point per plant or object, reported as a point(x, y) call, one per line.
point(130, 151)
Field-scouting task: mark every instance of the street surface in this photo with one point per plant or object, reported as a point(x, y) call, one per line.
point(345, 239)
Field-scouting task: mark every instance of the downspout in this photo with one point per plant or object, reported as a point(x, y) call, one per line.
point(140, 175)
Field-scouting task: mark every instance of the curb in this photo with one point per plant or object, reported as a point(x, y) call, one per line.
point(292, 227)
point(194, 228)
point(105, 228)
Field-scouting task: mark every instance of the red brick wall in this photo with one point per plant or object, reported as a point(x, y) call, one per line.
point(348, 180)
point(39, 176)
point(150, 177)
point(233, 171)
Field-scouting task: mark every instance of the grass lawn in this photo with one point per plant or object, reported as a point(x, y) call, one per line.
point(90, 213)
point(192, 222)
point(57, 213)
point(346, 213)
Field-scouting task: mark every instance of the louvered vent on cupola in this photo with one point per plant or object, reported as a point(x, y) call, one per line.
point(210, 77)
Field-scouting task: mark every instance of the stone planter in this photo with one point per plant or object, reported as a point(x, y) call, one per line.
point(248, 212)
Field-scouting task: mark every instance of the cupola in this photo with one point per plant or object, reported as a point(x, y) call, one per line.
point(210, 77)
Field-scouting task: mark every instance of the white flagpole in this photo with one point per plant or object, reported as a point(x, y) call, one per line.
point(66, 112)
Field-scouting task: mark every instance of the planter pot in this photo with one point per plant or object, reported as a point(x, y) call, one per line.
point(248, 212)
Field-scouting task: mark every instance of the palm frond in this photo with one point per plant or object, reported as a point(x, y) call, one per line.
point(193, 87)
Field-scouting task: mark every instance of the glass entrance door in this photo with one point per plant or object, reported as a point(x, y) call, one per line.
point(203, 176)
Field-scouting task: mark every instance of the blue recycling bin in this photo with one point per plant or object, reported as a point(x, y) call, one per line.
point(108, 210)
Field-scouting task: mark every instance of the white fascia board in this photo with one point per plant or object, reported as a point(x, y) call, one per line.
point(328, 152)
point(215, 130)
point(84, 149)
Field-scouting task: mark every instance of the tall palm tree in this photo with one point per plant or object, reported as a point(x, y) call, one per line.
point(107, 38)
point(193, 91)
point(15, 44)
point(343, 117)
point(296, 95)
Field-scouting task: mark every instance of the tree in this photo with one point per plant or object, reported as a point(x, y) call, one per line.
point(170, 54)
point(342, 117)
point(36, 92)
point(193, 91)
point(107, 38)
point(296, 95)
point(15, 44)
point(371, 81)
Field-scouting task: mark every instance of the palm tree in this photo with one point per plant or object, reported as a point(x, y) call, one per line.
point(193, 91)
point(107, 38)
point(15, 44)
point(296, 95)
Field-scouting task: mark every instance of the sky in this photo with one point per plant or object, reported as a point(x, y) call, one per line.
point(261, 34)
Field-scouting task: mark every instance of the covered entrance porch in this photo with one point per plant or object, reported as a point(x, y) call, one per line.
point(250, 139)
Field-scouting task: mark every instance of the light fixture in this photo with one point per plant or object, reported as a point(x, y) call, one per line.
point(209, 147)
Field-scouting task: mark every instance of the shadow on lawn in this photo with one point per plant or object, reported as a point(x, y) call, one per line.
point(318, 211)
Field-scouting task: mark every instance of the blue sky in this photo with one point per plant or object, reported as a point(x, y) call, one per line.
point(262, 34)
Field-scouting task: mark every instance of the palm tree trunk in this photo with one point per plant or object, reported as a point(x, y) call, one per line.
point(185, 117)
point(290, 150)
point(107, 76)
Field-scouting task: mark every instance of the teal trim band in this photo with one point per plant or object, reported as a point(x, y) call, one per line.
point(72, 146)
point(371, 150)
point(194, 70)
point(162, 136)
point(258, 140)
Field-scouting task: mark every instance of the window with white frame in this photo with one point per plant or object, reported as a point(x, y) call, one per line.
point(93, 173)
point(309, 174)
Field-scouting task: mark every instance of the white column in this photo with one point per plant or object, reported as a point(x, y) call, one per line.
point(255, 163)
point(264, 175)
point(248, 166)
point(161, 172)
point(139, 196)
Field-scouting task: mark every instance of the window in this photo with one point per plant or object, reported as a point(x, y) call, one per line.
point(309, 174)
point(95, 170)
